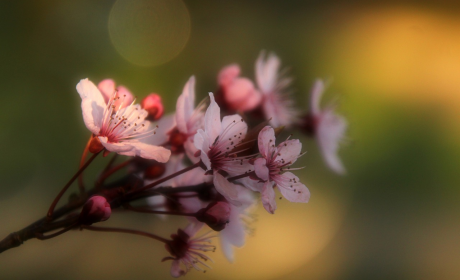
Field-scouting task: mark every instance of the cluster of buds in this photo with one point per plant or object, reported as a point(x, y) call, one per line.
point(209, 163)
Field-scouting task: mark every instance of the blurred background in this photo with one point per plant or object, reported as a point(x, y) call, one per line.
point(395, 67)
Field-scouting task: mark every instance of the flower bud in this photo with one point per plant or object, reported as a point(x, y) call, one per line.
point(227, 75)
point(241, 95)
point(215, 215)
point(309, 124)
point(154, 171)
point(177, 140)
point(95, 146)
point(96, 209)
point(153, 105)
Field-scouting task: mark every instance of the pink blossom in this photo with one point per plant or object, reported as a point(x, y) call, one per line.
point(328, 127)
point(153, 105)
point(122, 98)
point(96, 209)
point(271, 167)
point(276, 103)
point(239, 93)
point(216, 143)
point(235, 232)
point(120, 131)
point(188, 120)
point(188, 251)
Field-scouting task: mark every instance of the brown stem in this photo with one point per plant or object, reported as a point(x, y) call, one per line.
point(150, 211)
point(81, 185)
point(123, 230)
point(108, 173)
point(41, 226)
point(61, 193)
point(166, 190)
point(41, 236)
point(109, 165)
point(231, 179)
point(156, 183)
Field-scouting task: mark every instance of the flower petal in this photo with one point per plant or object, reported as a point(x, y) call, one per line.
point(331, 130)
point(261, 169)
point(176, 271)
point(234, 129)
point(137, 148)
point(266, 141)
point(202, 143)
point(291, 188)
point(147, 151)
point(92, 105)
point(267, 72)
point(185, 104)
point(289, 151)
point(226, 188)
point(107, 88)
point(234, 233)
point(165, 124)
point(268, 197)
point(212, 124)
point(316, 93)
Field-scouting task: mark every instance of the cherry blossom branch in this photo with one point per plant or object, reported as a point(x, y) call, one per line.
point(167, 190)
point(150, 211)
point(129, 231)
point(234, 178)
point(64, 189)
point(44, 225)
point(66, 229)
point(167, 178)
point(41, 226)
point(107, 173)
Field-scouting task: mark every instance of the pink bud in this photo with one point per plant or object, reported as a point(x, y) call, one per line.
point(154, 171)
point(177, 140)
point(241, 95)
point(107, 88)
point(122, 96)
point(95, 146)
point(228, 74)
point(96, 209)
point(153, 105)
point(216, 215)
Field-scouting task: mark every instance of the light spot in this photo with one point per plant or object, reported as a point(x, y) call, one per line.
point(149, 32)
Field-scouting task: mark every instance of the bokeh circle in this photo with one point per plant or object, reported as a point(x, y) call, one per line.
point(149, 32)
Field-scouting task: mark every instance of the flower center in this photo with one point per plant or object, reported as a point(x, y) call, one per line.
point(120, 124)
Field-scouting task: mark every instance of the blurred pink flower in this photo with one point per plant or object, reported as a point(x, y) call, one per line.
point(328, 128)
point(188, 120)
point(234, 233)
point(188, 252)
point(276, 102)
point(271, 167)
point(120, 131)
point(239, 93)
